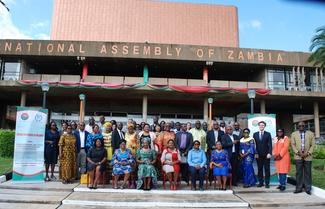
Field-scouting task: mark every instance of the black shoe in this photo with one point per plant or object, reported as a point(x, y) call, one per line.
point(297, 191)
point(282, 188)
point(308, 192)
point(267, 186)
point(246, 186)
point(278, 187)
point(260, 185)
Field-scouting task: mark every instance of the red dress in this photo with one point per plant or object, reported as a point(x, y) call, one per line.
point(171, 156)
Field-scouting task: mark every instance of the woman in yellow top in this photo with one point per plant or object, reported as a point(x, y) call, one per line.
point(107, 136)
point(131, 139)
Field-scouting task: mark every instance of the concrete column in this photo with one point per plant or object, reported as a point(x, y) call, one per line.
point(144, 108)
point(298, 77)
point(316, 120)
point(23, 99)
point(206, 110)
point(293, 78)
point(321, 80)
point(303, 78)
point(206, 74)
point(263, 108)
point(317, 80)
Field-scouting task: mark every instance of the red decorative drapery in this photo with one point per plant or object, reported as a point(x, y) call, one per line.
point(185, 89)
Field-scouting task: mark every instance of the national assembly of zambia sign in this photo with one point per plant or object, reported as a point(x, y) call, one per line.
point(151, 51)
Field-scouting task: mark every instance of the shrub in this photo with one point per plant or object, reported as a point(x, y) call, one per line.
point(7, 143)
point(319, 152)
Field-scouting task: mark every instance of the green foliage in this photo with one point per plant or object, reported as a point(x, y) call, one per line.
point(319, 152)
point(318, 48)
point(7, 142)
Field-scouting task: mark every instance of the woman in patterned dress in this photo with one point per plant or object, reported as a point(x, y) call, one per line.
point(107, 136)
point(170, 160)
point(133, 145)
point(67, 150)
point(220, 165)
point(131, 138)
point(247, 152)
point(96, 134)
point(146, 158)
point(122, 164)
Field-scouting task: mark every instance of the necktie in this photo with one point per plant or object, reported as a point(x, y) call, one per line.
point(261, 135)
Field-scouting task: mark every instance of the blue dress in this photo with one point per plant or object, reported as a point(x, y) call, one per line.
point(90, 139)
point(51, 150)
point(220, 157)
point(248, 146)
point(126, 156)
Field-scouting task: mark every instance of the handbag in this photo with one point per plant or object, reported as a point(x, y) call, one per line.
point(84, 178)
point(183, 158)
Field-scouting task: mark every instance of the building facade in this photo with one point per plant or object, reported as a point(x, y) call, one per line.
point(170, 72)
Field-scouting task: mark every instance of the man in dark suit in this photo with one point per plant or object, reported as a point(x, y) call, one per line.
point(230, 142)
point(213, 136)
point(117, 136)
point(184, 141)
point(81, 135)
point(263, 142)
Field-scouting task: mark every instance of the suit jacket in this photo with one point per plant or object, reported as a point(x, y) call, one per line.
point(116, 139)
point(211, 139)
point(189, 141)
point(264, 146)
point(309, 144)
point(77, 135)
point(227, 144)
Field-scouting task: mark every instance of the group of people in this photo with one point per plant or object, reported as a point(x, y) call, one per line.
point(175, 152)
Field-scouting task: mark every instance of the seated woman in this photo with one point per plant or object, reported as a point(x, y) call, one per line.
point(197, 163)
point(122, 164)
point(247, 152)
point(219, 163)
point(170, 160)
point(147, 173)
point(96, 158)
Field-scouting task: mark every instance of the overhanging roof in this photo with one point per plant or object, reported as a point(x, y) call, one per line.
point(152, 51)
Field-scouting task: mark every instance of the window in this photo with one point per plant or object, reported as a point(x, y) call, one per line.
point(10, 70)
point(276, 79)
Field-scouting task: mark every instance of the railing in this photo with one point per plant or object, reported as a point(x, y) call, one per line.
point(153, 81)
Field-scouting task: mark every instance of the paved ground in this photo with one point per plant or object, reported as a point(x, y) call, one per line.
point(74, 196)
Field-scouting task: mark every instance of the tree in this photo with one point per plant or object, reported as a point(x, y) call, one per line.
point(3, 4)
point(318, 48)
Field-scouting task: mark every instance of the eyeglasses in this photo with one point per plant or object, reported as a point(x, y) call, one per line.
point(301, 126)
point(246, 132)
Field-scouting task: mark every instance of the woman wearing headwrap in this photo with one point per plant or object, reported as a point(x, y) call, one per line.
point(247, 152)
point(131, 138)
point(146, 158)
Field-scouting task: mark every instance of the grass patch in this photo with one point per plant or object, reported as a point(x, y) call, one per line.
point(318, 175)
point(5, 165)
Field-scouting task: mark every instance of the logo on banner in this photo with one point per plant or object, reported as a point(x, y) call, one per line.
point(24, 116)
point(38, 118)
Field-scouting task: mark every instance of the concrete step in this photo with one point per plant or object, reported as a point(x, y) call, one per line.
point(32, 196)
point(151, 199)
point(29, 206)
point(46, 186)
point(272, 200)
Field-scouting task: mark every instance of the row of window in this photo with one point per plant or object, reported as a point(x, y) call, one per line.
point(281, 79)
